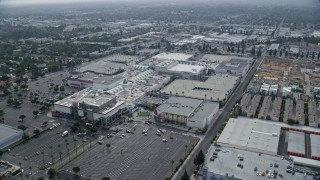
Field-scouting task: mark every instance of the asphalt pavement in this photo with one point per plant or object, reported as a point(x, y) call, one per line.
point(135, 156)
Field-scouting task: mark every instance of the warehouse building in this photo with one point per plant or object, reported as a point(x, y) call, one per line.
point(216, 88)
point(224, 163)
point(236, 67)
point(180, 70)
point(173, 56)
point(188, 112)
point(296, 144)
point(9, 135)
point(251, 135)
point(315, 146)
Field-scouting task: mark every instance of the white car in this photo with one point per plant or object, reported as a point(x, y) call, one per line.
point(164, 140)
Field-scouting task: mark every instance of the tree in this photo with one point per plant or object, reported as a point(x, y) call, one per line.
point(186, 148)
point(253, 50)
point(61, 88)
point(25, 137)
point(52, 173)
point(199, 159)
point(41, 178)
point(291, 121)
point(76, 169)
point(42, 108)
point(172, 163)
point(35, 113)
point(36, 132)
point(23, 86)
point(22, 117)
point(1, 153)
point(93, 129)
point(9, 101)
point(22, 127)
point(108, 146)
point(185, 176)
point(259, 52)
point(105, 178)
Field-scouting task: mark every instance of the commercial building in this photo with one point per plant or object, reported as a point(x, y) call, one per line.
point(315, 146)
point(93, 105)
point(89, 79)
point(106, 105)
point(186, 111)
point(110, 65)
point(9, 171)
point(251, 135)
point(180, 70)
point(216, 88)
point(9, 135)
point(173, 56)
point(231, 163)
point(274, 46)
point(237, 67)
point(296, 144)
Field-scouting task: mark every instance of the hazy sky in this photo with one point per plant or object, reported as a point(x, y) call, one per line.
point(280, 2)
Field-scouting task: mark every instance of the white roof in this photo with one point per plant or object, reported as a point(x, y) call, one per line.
point(173, 56)
point(315, 145)
point(187, 68)
point(305, 161)
point(296, 142)
point(286, 89)
point(228, 158)
point(251, 134)
point(215, 88)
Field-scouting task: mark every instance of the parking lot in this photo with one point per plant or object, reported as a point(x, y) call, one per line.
point(45, 149)
point(135, 156)
point(41, 87)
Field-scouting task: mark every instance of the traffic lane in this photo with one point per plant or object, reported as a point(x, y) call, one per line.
point(121, 160)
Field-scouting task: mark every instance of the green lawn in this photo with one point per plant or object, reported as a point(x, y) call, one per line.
point(146, 113)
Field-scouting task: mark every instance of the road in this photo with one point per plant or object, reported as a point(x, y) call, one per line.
point(213, 130)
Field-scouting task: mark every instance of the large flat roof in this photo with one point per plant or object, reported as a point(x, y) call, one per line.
point(8, 131)
point(187, 68)
point(173, 56)
point(315, 145)
point(233, 64)
point(215, 88)
point(179, 106)
point(215, 58)
point(253, 135)
point(96, 78)
point(228, 158)
point(89, 96)
point(296, 142)
point(204, 111)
